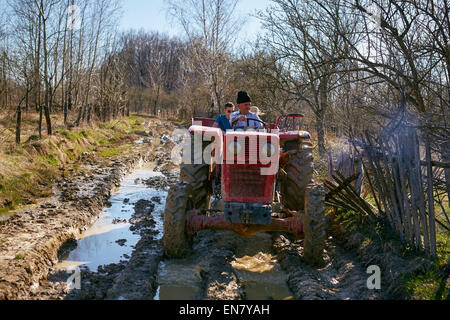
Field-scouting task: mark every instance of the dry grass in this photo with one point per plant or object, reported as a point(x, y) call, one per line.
point(27, 171)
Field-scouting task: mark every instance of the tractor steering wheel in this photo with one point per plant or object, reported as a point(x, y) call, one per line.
point(248, 123)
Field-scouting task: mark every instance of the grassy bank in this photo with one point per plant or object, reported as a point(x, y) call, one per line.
point(417, 280)
point(27, 171)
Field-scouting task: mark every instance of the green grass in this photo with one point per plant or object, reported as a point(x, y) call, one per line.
point(19, 256)
point(108, 153)
point(431, 284)
point(428, 286)
point(112, 152)
point(74, 136)
point(52, 160)
point(377, 231)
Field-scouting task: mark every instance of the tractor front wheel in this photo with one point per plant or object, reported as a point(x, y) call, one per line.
point(299, 174)
point(315, 225)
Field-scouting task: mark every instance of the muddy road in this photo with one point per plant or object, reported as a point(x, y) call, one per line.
point(99, 238)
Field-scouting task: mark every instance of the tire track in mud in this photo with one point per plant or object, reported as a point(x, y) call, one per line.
point(224, 266)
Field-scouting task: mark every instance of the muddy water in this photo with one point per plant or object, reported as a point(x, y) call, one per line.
point(179, 280)
point(110, 239)
point(258, 270)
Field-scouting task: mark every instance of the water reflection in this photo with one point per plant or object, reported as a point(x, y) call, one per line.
point(100, 244)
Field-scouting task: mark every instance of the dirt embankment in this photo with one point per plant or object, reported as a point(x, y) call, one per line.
point(32, 241)
point(386, 253)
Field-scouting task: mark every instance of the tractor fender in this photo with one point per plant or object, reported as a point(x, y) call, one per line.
point(294, 135)
point(206, 131)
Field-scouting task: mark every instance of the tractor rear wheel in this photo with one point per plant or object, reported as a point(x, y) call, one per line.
point(197, 175)
point(175, 240)
point(315, 225)
point(299, 174)
point(191, 192)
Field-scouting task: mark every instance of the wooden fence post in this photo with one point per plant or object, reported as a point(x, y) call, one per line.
point(430, 195)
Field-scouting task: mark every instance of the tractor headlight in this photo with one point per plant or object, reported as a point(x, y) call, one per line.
point(268, 150)
point(304, 135)
point(234, 148)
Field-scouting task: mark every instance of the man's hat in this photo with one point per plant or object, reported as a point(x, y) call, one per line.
point(243, 97)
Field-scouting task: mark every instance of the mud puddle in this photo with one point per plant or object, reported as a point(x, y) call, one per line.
point(179, 280)
point(224, 266)
point(111, 239)
point(259, 271)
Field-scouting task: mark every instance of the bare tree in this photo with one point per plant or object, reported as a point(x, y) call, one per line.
point(211, 28)
point(300, 42)
point(4, 57)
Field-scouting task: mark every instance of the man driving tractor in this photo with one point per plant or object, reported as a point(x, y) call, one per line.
point(243, 117)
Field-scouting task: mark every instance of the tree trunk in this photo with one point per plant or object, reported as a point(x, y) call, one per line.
point(48, 120)
point(321, 133)
point(18, 123)
point(88, 120)
point(80, 111)
point(65, 112)
point(46, 76)
point(155, 106)
point(323, 107)
point(27, 102)
point(40, 122)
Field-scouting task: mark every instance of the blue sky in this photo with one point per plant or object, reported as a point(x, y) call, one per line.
point(150, 15)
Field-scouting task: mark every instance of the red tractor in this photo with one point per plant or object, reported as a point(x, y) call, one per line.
point(263, 180)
